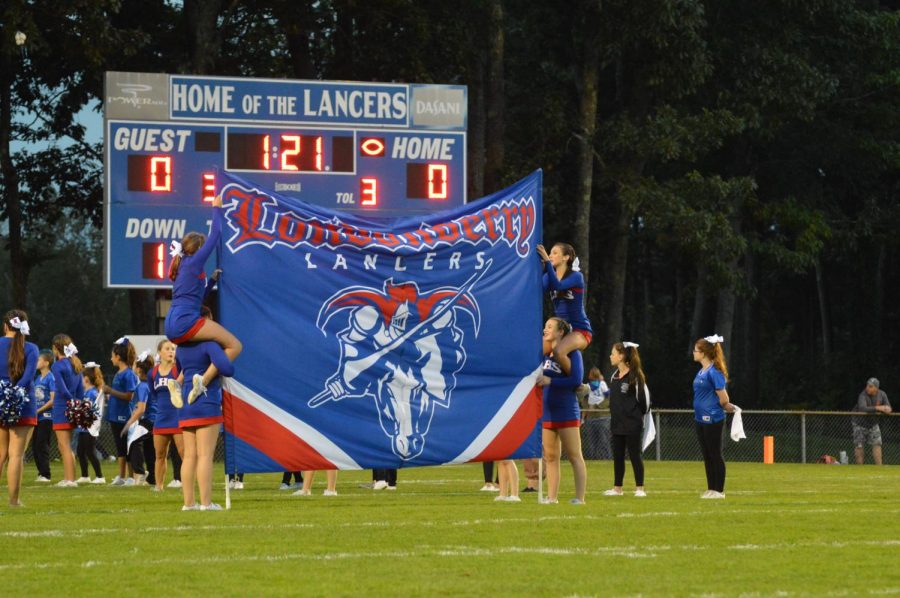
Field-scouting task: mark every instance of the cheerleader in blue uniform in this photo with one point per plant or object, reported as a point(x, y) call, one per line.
point(143, 411)
point(119, 395)
point(184, 322)
point(165, 429)
point(562, 416)
point(92, 379)
point(18, 362)
point(564, 281)
point(711, 403)
point(69, 387)
point(200, 422)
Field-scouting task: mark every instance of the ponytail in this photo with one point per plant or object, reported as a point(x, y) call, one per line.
point(15, 363)
point(633, 361)
point(125, 351)
point(189, 246)
point(713, 352)
point(60, 342)
point(173, 267)
point(94, 374)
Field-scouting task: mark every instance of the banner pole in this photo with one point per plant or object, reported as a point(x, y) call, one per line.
point(227, 493)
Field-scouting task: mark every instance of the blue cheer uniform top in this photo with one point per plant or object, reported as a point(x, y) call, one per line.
point(190, 287)
point(119, 410)
point(567, 296)
point(707, 409)
point(194, 358)
point(29, 409)
point(561, 408)
point(69, 387)
point(166, 414)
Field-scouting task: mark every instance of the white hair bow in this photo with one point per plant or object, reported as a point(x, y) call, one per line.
point(576, 265)
point(630, 344)
point(92, 364)
point(122, 340)
point(144, 355)
point(70, 350)
point(714, 339)
point(20, 325)
point(175, 249)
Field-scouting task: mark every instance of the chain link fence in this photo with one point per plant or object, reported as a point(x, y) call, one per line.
point(799, 436)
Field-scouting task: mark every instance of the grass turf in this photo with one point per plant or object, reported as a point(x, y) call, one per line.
point(784, 529)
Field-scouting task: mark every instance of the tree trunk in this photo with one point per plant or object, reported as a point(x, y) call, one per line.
point(204, 40)
point(19, 267)
point(587, 127)
point(824, 316)
point(477, 124)
point(725, 306)
point(878, 302)
point(296, 20)
point(697, 319)
point(615, 277)
point(750, 337)
point(495, 102)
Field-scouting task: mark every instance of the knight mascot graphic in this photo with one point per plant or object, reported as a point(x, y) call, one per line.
point(403, 347)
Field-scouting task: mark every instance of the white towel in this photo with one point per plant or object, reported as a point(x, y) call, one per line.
point(94, 430)
point(135, 431)
point(737, 425)
point(649, 431)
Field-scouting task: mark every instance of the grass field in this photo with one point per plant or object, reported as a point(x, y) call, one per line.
point(783, 530)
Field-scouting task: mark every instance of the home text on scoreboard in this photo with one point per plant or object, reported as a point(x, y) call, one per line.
point(379, 149)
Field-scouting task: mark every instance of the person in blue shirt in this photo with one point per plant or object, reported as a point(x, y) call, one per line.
point(43, 391)
point(711, 403)
point(119, 395)
point(184, 322)
point(92, 379)
point(143, 412)
point(562, 416)
point(200, 422)
point(565, 282)
point(69, 387)
point(18, 362)
point(165, 428)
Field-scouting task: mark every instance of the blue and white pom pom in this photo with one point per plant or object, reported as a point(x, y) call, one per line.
point(12, 403)
point(81, 413)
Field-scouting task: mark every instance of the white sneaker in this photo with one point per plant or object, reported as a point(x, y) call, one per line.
point(42, 479)
point(500, 498)
point(489, 488)
point(547, 501)
point(711, 494)
point(613, 492)
point(716, 495)
point(230, 484)
point(174, 484)
point(190, 508)
point(128, 482)
point(394, 488)
point(174, 387)
point(513, 499)
point(379, 485)
point(67, 484)
point(142, 480)
point(118, 481)
point(284, 486)
point(83, 480)
point(197, 388)
point(98, 481)
point(238, 485)
point(156, 489)
point(576, 501)
point(210, 507)
point(329, 493)
point(302, 492)
point(640, 493)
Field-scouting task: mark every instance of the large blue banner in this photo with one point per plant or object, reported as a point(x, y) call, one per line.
point(398, 343)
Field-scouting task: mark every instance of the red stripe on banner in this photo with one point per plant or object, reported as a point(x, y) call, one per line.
point(269, 437)
point(517, 429)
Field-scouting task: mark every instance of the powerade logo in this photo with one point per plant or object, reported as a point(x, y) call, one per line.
point(135, 95)
point(258, 219)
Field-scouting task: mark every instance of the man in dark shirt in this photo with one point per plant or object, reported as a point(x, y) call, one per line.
point(865, 428)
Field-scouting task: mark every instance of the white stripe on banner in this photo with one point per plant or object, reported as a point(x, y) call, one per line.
point(299, 428)
point(500, 419)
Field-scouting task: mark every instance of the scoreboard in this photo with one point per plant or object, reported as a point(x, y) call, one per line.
point(374, 149)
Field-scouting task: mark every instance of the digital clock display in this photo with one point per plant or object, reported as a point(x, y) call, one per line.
point(289, 151)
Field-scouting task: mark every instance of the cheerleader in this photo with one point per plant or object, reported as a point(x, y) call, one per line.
point(17, 369)
point(119, 396)
point(563, 278)
point(143, 412)
point(200, 422)
point(69, 387)
point(711, 403)
point(165, 429)
point(184, 322)
point(628, 402)
point(562, 417)
point(92, 379)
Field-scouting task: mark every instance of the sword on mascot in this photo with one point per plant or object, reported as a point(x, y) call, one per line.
point(365, 363)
